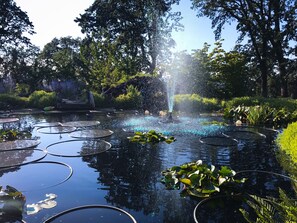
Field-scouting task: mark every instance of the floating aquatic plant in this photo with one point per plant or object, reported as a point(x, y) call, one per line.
point(10, 135)
point(151, 137)
point(200, 180)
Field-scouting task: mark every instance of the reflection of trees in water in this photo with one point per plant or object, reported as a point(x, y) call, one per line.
point(131, 174)
point(14, 157)
point(90, 147)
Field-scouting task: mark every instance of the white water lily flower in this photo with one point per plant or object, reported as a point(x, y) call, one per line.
point(199, 162)
point(221, 180)
point(48, 204)
point(33, 209)
point(51, 196)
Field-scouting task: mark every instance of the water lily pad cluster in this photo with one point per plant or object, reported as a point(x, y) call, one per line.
point(200, 180)
point(10, 135)
point(151, 137)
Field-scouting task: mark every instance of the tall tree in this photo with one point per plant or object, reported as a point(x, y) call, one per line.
point(59, 59)
point(139, 30)
point(269, 26)
point(14, 23)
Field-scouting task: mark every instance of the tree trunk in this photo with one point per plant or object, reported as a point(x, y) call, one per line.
point(264, 75)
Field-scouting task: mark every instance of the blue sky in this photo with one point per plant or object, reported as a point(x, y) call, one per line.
point(54, 18)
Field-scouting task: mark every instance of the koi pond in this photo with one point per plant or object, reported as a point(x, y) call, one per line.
point(81, 167)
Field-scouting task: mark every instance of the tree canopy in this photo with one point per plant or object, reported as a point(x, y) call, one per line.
point(14, 23)
point(138, 30)
point(268, 25)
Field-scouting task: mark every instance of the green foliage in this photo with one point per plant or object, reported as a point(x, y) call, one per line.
point(102, 102)
point(14, 23)
point(132, 35)
point(22, 89)
point(261, 111)
point(228, 73)
point(152, 137)
point(287, 141)
point(41, 99)
point(9, 101)
point(131, 100)
point(259, 115)
point(200, 180)
point(214, 122)
point(59, 59)
point(11, 135)
point(195, 103)
point(278, 103)
point(271, 210)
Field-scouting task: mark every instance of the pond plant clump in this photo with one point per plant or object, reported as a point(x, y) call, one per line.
point(152, 137)
point(10, 135)
point(201, 180)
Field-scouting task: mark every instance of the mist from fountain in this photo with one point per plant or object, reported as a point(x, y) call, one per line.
point(170, 82)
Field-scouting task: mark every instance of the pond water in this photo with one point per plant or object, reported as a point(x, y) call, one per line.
point(121, 181)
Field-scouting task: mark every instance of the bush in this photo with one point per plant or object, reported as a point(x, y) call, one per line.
point(41, 99)
point(277, 112)
point(195, 103)
point(277, 103)
point(8, 101)
point(131, 100)
point(287, 141)
point(101, 101)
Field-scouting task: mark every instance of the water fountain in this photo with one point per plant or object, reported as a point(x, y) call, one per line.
point(169, 77)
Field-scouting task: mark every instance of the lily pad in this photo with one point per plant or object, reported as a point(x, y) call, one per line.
point(47, 124)
point(81, 124)
point(19, 144)
point(218, 141)
point(36, 175)
point(8, 120)
point(17, 157)
point(88, 213)
point(244, 135)
point(92, 133)
point(75, 148)
point(56, 129)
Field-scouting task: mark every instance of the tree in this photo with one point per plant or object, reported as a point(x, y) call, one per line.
point(59, 59)
point(193, 75)
point(228, 73)
point(139, 31)
point(269, 26)
point(14, 23)
point(102, 66)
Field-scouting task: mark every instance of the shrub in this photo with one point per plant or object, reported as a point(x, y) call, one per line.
point(277, 112)
point(41, 99)
point(195, 103)
point(22, 90)
point(101, 101)
point(259, 115)
point(8, 101)
point(131, 100)
point(287, 141)
point(277, 103)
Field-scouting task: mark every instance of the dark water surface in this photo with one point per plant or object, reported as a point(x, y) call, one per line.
point(127, 175)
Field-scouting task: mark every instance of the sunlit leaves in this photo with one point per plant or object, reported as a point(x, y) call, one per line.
point(199, 180)
point(152, 137)
point(10, 135)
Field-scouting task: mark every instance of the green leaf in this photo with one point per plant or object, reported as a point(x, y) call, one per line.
point(186, 181)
